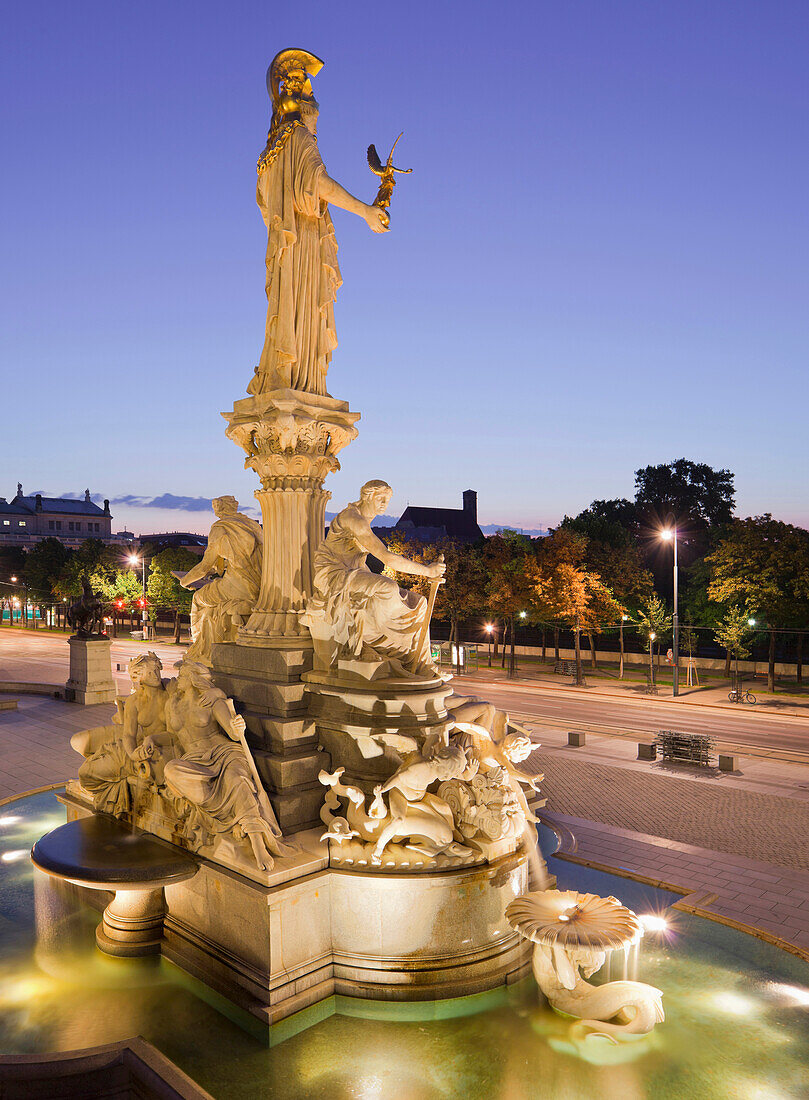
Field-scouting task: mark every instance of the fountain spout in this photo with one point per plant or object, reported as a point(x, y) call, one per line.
point(574, 934)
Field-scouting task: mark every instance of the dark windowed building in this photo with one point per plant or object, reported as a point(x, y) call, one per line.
point(27, 520)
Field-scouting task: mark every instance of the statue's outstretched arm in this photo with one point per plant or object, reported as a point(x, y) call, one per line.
point(333, 192)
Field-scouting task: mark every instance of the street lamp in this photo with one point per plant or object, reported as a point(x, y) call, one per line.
point(652, 637)
point(621, 632)
point(669, 534)
point(489, 629)
point(133, 560)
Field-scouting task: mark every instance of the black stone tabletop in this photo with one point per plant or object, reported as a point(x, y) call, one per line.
point(103, 852)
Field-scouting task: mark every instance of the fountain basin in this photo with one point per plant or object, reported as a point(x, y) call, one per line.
point(735, 1026)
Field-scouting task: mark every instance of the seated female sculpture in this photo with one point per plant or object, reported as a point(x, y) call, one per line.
point(360, 614)
point(134, 745)
point(233, 559)
point(213, 773)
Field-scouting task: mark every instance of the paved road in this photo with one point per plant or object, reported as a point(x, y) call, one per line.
point(45, 658)
point(747, 729)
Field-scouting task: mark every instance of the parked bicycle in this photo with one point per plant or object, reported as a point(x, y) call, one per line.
point(739, 695)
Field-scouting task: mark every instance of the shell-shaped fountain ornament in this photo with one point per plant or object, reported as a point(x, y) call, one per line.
point(574, 934)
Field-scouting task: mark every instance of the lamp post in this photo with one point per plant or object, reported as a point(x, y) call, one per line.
point(489, 629)
point(652, 637)
point(621, 632)
point(669, 534)
point(133, 560)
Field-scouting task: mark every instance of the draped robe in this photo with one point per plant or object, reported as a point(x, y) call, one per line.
point(302, 271)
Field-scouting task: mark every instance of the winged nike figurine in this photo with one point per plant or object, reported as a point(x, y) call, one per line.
point(386, 173)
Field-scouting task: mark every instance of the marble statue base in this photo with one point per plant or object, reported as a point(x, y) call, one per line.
point(90, 672)
point(397, 937)
point(268, 691)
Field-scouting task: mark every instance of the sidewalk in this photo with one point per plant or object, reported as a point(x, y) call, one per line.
point(601, 684)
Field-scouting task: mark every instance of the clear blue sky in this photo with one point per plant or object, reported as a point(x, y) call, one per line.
point(600, 261)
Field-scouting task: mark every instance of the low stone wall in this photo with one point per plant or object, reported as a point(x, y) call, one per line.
point(716, 664)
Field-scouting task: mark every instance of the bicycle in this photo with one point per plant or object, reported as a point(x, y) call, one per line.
point(736, 695)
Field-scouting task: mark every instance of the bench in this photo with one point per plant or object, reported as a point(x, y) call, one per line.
point(686, 748)
point(568, 668)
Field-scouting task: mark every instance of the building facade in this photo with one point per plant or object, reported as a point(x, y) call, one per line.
point(27, 520)
point(434, 524)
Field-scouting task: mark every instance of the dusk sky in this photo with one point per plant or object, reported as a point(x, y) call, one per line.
point(600, 261)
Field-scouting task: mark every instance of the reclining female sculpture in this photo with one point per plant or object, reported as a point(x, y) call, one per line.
point(212, 773)
point(134, 745)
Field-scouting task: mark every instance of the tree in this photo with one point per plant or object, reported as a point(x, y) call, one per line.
point(43, 564)
point(764, 563)
point(573, 593)
point(120, 588)
point(733, 633)
point(696, 495)
point(653, 623)
point(514, 584)
point(613, 554)
point(164, 590)
point(92, 559)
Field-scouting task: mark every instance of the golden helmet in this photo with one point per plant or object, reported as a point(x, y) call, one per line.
point(288, 79)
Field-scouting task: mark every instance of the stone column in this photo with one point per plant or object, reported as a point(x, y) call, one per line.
point(291, 440)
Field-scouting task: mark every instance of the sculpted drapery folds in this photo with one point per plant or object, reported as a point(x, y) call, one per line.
point(137, 742)
point(213, 772)
point(293, 193)
point(233, 556)
point(355, 613)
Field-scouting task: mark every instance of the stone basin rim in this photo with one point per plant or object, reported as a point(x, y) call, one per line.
point(157, 862)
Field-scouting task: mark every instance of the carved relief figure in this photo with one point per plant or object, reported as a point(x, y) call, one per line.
point(618, 1009)
point(294, 192)
point(136, 745)
point(421, 821)
point(213, 774)
point(233, 558)
point(360, 614)
point(425, 820)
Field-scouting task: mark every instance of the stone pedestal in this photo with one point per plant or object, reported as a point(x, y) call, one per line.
point(90, 672)
point(367, 726)
point(291, 440)
point(266, 685)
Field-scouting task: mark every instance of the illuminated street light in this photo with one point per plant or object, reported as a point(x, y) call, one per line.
point(669, 534)
point(134, 560)
point(751, 622)
point(489, 629)
point(621, 632)
point(652, 637)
